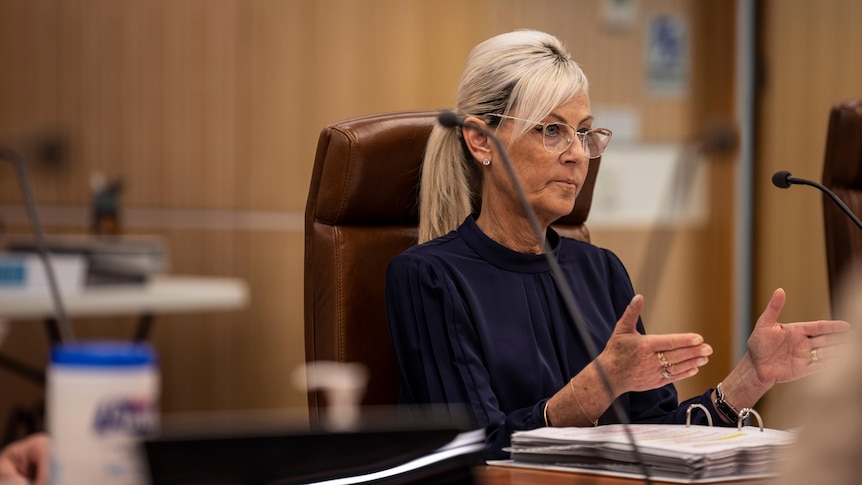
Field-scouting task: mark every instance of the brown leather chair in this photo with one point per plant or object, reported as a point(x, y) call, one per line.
point(361, 212)
point(842, 173)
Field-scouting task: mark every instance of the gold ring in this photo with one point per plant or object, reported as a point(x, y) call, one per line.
point(814, 357)
point(666, 374)
point(663, 360)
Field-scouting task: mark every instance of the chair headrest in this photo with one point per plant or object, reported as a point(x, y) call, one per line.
point(843, 166)
point(370, 168)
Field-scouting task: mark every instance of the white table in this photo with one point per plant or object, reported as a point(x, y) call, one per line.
point(162, 294)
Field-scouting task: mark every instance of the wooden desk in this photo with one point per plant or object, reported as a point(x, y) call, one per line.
point(505, 475)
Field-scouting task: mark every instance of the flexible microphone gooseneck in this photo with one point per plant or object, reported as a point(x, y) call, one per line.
point(451, 120)
point(783, 180)
point(65, 328)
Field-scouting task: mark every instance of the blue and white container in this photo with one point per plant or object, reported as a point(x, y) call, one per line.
point(102, 400)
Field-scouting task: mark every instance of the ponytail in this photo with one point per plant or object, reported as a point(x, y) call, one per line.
point(446, 191)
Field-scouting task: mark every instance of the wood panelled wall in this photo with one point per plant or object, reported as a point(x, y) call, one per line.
point(210, 110)
point(811, 61)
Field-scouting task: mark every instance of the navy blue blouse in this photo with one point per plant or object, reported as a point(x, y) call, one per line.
point(477, 324)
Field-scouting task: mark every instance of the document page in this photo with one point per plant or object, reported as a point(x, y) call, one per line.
point(667, 449)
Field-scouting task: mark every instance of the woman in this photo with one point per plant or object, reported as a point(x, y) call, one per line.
point(474, 313)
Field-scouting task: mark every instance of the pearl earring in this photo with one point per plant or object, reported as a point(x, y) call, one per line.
point(486, 162)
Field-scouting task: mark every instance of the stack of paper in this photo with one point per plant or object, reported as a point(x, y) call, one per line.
point(691, 452)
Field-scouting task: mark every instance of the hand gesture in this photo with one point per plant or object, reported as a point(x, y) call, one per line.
point(637, 362)
point(783, 352)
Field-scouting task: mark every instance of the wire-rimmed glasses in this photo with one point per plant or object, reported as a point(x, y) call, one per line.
point(558, 137)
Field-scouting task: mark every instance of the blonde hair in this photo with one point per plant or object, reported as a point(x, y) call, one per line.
point(525, 72)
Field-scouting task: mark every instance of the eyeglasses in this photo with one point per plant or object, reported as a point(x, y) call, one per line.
point(558, 137)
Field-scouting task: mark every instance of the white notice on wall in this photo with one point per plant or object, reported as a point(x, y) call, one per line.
point(667, 55)
point(641, 185)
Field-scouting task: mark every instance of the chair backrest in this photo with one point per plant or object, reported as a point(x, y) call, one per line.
point(842, 173)
point(362, 211)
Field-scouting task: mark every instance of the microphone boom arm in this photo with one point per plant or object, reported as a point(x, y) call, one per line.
point(65, 328)
point(783, 180)
point(831, 195)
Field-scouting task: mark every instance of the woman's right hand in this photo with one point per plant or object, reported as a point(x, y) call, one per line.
point(637, 362)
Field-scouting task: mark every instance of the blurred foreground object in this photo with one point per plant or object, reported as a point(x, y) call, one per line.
point(829, 444)
point(277, 446)
point(343, 386)
point(102, 399)
point(25, 461)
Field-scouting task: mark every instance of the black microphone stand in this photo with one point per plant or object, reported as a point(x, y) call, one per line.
point(65, 328)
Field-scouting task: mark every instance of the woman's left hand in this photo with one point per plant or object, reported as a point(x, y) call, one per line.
point(783, 352)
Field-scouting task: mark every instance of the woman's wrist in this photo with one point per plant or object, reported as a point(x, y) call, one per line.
point(594, 422)
point(578, 402)
point(594, 371)
point(742, 387)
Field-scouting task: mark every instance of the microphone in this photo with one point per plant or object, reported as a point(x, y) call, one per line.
point(449, 119)
point(783, 180)
point(65, 328)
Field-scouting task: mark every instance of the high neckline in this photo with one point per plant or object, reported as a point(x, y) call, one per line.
point(502, 256)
